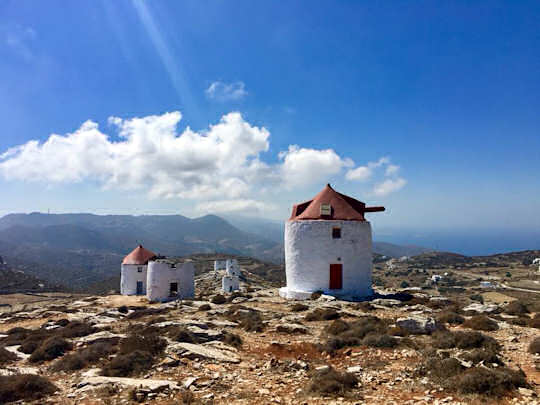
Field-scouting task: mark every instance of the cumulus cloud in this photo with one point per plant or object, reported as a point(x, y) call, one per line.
point(244, 206)
point(303, 166)
point(389, 186)
point(221, 91)
point(221, 168)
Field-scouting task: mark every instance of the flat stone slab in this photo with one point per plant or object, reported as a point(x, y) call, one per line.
point(152, 385)
point(292, 328)
point(191, 349)
point(99, 335)
point(482, 308)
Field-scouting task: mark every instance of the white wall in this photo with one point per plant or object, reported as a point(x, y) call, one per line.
point(220, 265)
point(129, 277)
point(310, 249)
point(161, 274)
point(232, 268)
point(229, 284)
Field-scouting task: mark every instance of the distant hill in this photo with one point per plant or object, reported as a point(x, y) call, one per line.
point(78, 250)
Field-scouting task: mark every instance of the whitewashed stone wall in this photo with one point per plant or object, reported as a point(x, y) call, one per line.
point(233, 269)
point(230, 284)
point(160, 276)
point(129, 275)
point(310, 249)
point(220, 265)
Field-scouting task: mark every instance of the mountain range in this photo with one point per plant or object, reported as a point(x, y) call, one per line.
point(80, 249)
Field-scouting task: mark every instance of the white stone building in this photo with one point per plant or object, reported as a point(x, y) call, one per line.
point(231, 280)
point(159, 279)
point(220, 265)
point(328, 247)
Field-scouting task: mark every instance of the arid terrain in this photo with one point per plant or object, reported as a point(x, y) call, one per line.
point(421, 340)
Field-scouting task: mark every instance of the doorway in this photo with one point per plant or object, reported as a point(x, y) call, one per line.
point(173, 292)
point(139, 288)
point(336, 276)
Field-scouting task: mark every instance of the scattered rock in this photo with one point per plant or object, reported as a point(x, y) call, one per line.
point(418, 325)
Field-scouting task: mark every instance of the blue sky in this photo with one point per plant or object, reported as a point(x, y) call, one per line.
point(446, 93)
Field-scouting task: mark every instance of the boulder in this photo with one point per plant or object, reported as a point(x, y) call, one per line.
point(482, 308)
point(418, 325)
point(292, 328)
point(192, 350)
point(152, 385)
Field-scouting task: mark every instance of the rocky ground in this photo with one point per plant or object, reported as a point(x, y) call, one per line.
point(255, 347)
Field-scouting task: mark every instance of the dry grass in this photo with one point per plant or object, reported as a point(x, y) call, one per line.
point(450, 317)
point(218, 299)
point(490, 382)
point(248, 319)
point(534, 347)
point(516, 308)
point(232, 339)
point(25, 387)
point(535, 321)
point(481, 322)
point(322, 314)
point(205, 307)
point(463, 340)
point(50, 349)
point(299, 307)
point(83, 358)
point(6, 356)
point(124, 365)
point(331, 382)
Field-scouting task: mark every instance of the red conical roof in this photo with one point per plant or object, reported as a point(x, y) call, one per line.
point(139, 256)
point(342, 207)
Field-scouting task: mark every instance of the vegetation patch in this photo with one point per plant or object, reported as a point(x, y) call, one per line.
point(6, 356)
point(248, 319)
point(124, 365)
point(232, 339)
point(205, 307)
point(322, 314)
point(139, 312)
point(218, 299)
point(299, 307)
point(535, 321)
point(328, 381)
point(516, 308)
point(481, 322)
point(77, 329)
point(464, 340)
point(50, 349)
point(451, 317)
point(491, 382)
point(83, 358)
point(534, 347)
point(26, 387)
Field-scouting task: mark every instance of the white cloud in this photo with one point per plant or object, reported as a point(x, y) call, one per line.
point(392, 170)
point(244, 206)
point(303, 166)
point(389, 186)
point(221, 91)
point(364, 173)
point(220, 169)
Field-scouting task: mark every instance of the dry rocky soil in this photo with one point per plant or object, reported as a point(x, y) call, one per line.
point(413, 344)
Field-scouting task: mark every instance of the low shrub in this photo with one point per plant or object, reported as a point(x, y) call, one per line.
point(218, 299)
point(84, 357)
point(331, 382)
point(363, 306)
point(123, 309)
point(450, 317)
point(6, 356)
point(322, 314)
point(398, 331)
point(232, 339)
point(205, 307)
point(124, 365)
point(379, 340)
point(491, 382)
point(62, 322)
point(316, 295)
point(181, 334)
point(487, 356)
point(336, 327)
point(481, 322)
point(464, 340)
point(439, 369)
point(299, 307)
point(534, 347)
point(535, 321)
point(50, 349)
point(149, 342)
point(516, 308)
point(248, 319)
point(77, 329)
point(477, 297)
point(26, 387)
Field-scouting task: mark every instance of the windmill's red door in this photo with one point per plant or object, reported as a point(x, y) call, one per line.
point(336, 276)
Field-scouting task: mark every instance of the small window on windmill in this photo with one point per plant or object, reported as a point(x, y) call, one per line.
point(326, 210)
point(139, 269)
point(336, 232)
